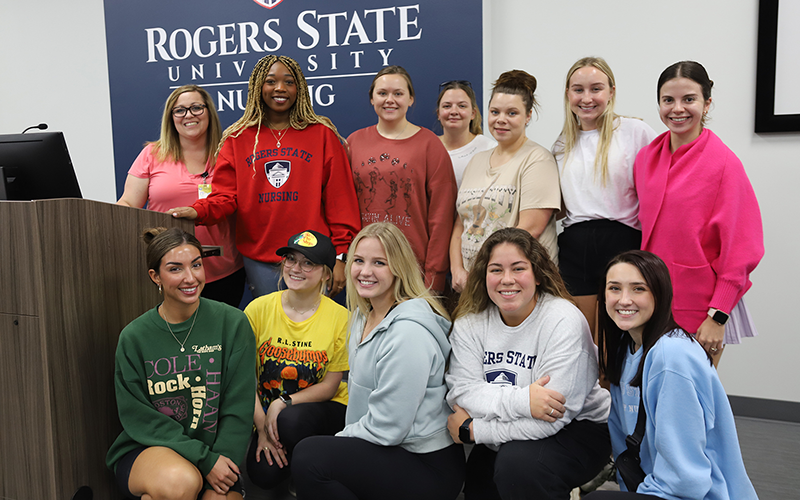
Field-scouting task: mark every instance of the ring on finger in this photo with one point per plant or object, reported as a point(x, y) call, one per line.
point(551, 412)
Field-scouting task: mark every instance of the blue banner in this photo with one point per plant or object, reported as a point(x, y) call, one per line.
point(156, 46)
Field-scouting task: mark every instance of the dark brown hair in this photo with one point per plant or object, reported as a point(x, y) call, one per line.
point(161, 240)
point(687, 69)
point(475, 297)
point(614, 343)
point(517, 82)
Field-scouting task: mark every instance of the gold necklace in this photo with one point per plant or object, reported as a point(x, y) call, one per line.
point(279, 136)
point(302, 312)
point(164, 316)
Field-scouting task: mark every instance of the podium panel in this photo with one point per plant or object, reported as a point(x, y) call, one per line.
point(72, 275)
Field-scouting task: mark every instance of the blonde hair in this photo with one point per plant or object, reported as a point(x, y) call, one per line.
point(606, 123)
point(327, 276)
point(402, 262)
point(475, 297)
point(301, 115)
point(168, 146)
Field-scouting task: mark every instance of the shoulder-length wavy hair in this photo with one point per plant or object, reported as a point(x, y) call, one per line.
point(168, 146)
point(408, 283)
point(613, 343)
point(475, 298)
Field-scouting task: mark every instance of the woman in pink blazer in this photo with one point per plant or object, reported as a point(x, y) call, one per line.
point(699, 213)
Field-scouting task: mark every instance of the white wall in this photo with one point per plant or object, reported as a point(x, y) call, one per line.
point(640, 39)
point(54, 69)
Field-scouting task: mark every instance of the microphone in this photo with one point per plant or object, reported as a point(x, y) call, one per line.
point(41, 126)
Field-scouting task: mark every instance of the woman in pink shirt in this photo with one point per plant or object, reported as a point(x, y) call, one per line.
point(699, 213)
point(177, 170)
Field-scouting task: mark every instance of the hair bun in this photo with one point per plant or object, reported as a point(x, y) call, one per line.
point(150, 233)
point(517, 78)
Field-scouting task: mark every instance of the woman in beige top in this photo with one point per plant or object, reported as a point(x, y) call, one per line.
point(512, 185)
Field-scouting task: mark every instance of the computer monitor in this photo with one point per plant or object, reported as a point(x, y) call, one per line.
point(36, 167)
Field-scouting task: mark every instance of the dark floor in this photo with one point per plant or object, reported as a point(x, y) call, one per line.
point(771, 452)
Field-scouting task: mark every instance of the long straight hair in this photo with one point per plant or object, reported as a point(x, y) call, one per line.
point(614, 343)
point(606, 123)
point(408, 282)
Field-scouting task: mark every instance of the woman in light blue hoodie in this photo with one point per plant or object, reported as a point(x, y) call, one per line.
point(690, 449)
point(395, 443)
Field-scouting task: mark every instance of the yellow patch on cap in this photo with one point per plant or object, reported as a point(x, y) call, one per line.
point(306, 239)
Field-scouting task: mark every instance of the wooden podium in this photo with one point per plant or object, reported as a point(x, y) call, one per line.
point(72, 275)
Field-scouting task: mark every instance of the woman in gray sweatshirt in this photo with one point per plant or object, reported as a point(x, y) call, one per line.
point(523, 377)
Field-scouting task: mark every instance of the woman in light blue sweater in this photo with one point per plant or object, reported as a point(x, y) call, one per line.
point(395, 444)
point(690, 449)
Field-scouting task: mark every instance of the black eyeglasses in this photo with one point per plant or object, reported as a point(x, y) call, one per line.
point(306, 265)
point(460, 82)
point(195, 110)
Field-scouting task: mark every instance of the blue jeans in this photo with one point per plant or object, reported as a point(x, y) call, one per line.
point(263, 277)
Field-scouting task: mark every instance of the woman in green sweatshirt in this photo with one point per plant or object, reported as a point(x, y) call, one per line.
point(184, 384)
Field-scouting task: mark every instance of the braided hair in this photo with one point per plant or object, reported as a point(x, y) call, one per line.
point(301, 115)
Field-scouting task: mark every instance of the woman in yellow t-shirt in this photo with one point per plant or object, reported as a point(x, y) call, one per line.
point(300, 340)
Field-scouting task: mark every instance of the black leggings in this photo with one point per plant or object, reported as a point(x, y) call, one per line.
point(619, 495)
point(295, 423)
point(346, 468)
point(543, 469)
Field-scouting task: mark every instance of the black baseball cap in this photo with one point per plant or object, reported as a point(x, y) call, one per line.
point(317, 247)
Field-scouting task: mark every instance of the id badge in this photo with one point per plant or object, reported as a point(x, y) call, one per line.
point(203, 190)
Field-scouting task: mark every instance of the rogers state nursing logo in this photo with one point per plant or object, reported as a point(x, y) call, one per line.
point(268, 3)
point(278, 172)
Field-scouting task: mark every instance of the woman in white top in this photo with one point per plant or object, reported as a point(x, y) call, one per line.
point(512, 185)
point(459, 115)
point(595, 154)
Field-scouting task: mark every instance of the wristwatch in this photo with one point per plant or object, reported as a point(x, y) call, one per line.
point(342, 257)
point(463, 432)
point(720, 317)
point(287, 400)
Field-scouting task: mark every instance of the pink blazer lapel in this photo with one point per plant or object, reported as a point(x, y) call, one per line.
point(653, 183)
